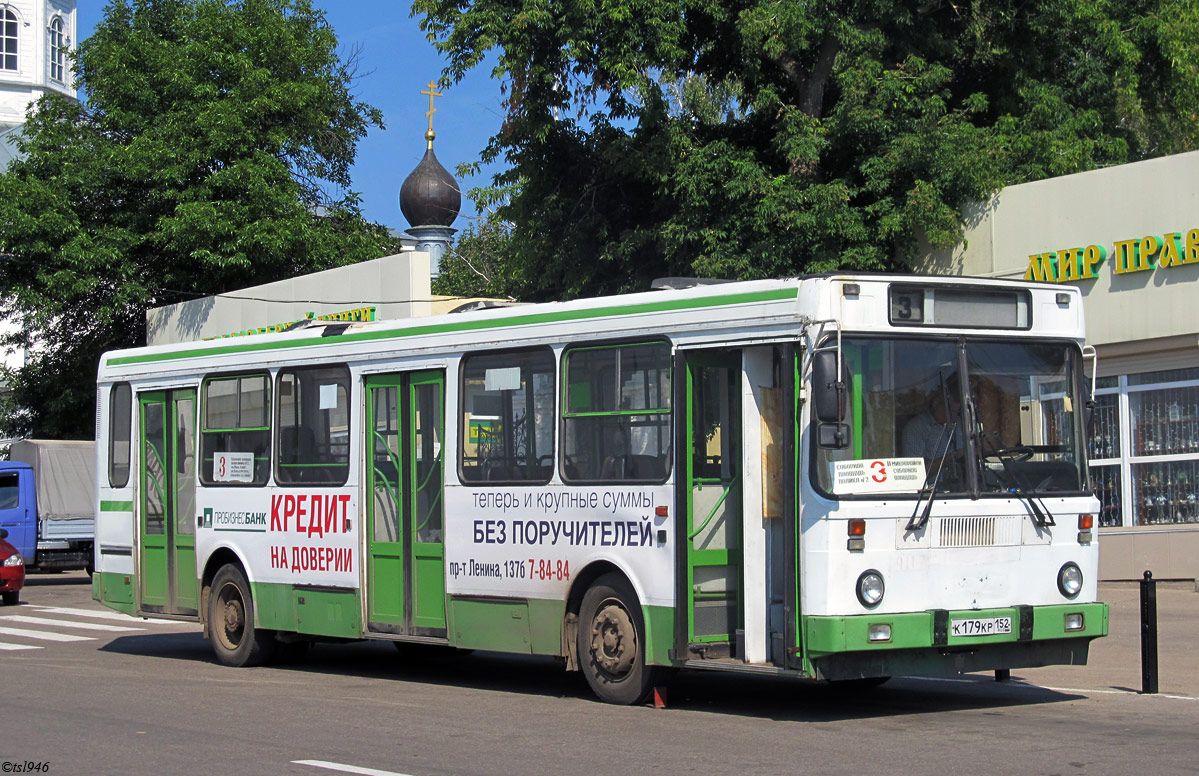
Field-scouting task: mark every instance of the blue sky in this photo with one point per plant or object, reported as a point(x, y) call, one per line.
point(397, 62)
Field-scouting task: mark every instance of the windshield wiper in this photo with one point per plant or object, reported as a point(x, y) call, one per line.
point(1041, 514)
point(946, 437)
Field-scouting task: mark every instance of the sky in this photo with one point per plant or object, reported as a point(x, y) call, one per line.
point(396, 63)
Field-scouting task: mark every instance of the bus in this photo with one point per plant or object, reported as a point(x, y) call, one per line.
point(840, 477)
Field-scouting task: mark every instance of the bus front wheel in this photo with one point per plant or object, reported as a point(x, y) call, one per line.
point(611, 643)
point(235, 640)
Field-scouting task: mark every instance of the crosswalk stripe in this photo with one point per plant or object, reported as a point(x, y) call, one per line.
point(45, 635)
point(105, 615)
point(95, 626)
point(11, 647)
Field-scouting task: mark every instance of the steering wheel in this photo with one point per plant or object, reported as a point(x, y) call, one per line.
point(1016, 454)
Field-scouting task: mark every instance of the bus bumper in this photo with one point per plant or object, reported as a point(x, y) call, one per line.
point(933, 643)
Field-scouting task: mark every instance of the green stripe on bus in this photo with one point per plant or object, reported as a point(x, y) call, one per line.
point(116, 506)
point(829, 635)
point(562, 316)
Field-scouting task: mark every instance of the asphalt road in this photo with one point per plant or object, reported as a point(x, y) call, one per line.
point(152, 701)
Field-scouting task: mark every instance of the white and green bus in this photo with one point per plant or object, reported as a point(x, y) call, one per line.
point(839, 477)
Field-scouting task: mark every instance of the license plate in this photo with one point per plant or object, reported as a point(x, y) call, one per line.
point(980, 626)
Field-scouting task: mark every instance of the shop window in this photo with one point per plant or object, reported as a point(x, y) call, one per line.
point(508, 417)
point(1143, 442)
point(314, 426)
point(120, 408)
point(1107, 490)
point(1167, 376)
point(1166, 492)
point(616, 413)
point(1103, 439)
point(236, 435)
point(1165, 421)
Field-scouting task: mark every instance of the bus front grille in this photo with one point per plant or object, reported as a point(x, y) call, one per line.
point(984, 531)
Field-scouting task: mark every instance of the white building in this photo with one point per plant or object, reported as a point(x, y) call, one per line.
point(36, 37)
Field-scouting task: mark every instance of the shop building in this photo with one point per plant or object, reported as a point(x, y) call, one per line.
point(1128, 237)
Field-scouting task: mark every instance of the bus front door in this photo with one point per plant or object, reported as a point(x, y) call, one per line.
point(713, 515)
point(167, 571)
point(405, 481)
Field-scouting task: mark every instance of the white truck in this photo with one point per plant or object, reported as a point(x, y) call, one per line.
point(47, 490)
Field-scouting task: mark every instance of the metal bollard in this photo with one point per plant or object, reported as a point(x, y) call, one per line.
point(1148, 634)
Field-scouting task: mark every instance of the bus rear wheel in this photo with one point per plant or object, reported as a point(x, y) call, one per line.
point(611, 643)
point(235, 640)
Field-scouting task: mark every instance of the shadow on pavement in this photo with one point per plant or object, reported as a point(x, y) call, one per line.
point(782, 699)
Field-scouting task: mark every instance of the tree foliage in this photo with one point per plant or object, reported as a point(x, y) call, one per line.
point(754, 138)
point(213, 152)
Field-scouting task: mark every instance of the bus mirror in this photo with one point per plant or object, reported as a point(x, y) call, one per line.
point(834, 435)
point(829, 400)
point(1089, 354)
point(828, 388)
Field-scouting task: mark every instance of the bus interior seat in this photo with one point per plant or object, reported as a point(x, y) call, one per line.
point(647, 467)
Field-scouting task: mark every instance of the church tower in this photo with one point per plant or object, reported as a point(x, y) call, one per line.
point(430, 199)
point(36, 37)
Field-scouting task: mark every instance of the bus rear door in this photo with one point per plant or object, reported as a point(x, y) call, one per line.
point(405, 482)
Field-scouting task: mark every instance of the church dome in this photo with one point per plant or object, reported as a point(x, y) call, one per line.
point(430, 195)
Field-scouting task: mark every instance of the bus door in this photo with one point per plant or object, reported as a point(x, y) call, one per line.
point(167, 485)
point(712, 518)
point(405, 482)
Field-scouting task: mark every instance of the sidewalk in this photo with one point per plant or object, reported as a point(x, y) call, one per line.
point(1115, 660)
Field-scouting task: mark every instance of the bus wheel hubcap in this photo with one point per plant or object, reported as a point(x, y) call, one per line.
point(613, 642)
point(234, 616)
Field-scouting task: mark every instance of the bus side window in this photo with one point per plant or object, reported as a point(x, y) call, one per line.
point(120, 412)
point(616, 413)
point(314, 426)
point(507, 416)
point(235, 430)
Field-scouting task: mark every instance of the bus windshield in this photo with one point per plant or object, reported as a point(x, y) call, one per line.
point(1010, 427)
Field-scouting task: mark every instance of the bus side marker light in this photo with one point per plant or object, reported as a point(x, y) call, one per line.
point(857, 534)
point(1075, 622)
point(879, 632)
point(662, 511)
point(1085, 523)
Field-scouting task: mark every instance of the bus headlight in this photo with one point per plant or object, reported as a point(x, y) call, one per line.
point(1069, 580)
point(870, 588)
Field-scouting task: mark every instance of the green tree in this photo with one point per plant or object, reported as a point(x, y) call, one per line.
point(754, 138)
point(213, 152)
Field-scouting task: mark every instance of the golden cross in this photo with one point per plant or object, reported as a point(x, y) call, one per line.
point(432, 93)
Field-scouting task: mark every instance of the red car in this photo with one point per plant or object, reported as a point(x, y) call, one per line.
point(12, 571)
